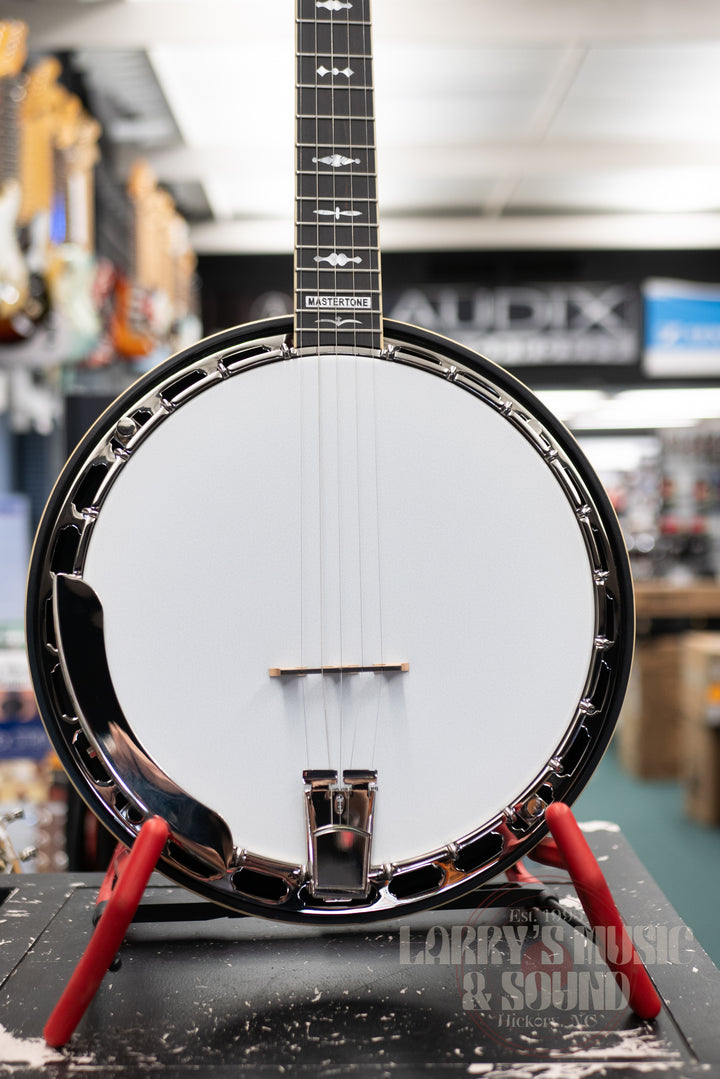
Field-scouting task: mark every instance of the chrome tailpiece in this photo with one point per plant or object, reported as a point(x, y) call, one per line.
point(339, 819)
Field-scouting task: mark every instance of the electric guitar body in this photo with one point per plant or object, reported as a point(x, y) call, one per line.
point(337, 598)
point(14, 274)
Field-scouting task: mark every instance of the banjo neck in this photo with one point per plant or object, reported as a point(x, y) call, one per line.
point(338, 303)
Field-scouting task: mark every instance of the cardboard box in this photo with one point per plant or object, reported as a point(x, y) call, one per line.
point(701, 707)
point(650, 735)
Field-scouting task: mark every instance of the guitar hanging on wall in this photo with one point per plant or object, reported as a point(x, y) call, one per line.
point(337, 598)
point(58, 151)
point(142, 317)
point(15, 292)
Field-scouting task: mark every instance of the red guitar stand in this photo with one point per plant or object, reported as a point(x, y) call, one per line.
point(123, 889)
point(130, 871)
point(568, 849)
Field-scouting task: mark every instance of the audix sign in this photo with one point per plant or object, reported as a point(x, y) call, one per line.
point(530, 324)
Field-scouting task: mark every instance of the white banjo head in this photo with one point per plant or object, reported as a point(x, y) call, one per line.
point(349, 622)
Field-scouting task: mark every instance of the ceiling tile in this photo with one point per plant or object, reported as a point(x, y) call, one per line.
point(648, 92)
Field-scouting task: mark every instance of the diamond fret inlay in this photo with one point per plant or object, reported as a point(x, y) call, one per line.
point(337, 213)
point(336, 259)
point(347, 71)
point(337, 161)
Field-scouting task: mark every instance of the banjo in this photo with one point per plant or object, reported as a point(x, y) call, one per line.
point(337, 598)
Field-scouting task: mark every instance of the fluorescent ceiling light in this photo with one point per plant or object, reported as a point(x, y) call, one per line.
point(620, 454)
point(566, 404)
point(641, 409)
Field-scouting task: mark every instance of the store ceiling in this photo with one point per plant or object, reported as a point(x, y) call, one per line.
point(501, 123)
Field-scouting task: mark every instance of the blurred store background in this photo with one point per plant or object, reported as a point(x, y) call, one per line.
point(550, 196)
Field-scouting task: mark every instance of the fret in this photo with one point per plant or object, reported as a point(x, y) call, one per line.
point(350, 279)
point(332, 89)
point(345, 22)
point(313, 130)
point(346, 340)
point(334, 118)
point(339, 121)
point(348, 17)
point(328, 171)
point(323, 241)
point(343, 102)
point(325, 298)
point(317, 234)
point(321, 236)
point(354, 265)
point(342, 285)
point(315, 221)
point(317, 246)
point(348, 264)
point(342, 147)
point(333, 39)
point(358, 57)
point(324, 254)
point(336, 184)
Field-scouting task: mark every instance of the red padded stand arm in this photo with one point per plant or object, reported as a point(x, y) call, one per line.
point(133, 873)
point(570, 851)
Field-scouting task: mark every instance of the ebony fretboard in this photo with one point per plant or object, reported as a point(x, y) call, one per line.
point(337, 259)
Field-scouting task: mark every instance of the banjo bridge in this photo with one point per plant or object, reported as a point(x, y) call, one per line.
point(339, 821)
point(372, 668)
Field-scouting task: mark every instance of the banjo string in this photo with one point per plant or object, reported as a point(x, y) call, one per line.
point(322, 429)
point(318, 404)
point(301, 374)
point(339, 397)
point(364, 468)
point(301, 516)
point(357, 417)
point(368, 83)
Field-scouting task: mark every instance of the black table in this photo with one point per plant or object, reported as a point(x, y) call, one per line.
point(497, 988)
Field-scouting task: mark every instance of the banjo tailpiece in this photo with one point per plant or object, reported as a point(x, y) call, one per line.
point(339, 827)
